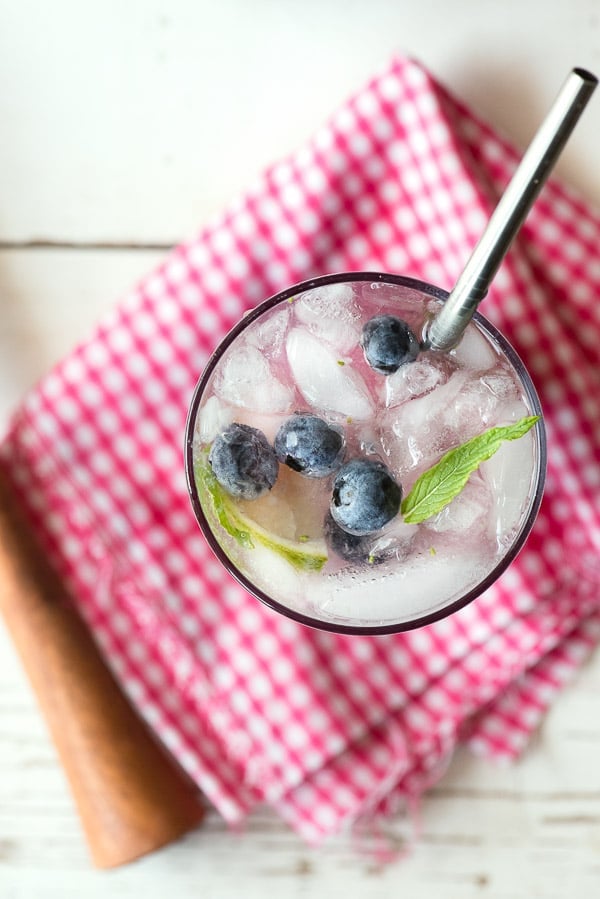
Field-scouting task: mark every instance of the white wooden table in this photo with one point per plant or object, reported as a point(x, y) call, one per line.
point(124, 126)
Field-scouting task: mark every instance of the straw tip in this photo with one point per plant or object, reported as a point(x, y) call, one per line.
point(586, 75)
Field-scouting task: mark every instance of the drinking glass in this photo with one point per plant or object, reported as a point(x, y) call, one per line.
point(419, 580)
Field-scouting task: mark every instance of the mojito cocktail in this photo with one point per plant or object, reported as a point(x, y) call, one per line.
point(348, 476)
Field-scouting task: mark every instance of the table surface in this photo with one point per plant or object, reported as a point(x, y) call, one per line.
point(125, 126)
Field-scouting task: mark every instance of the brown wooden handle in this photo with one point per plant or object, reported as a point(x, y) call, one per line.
point(131, 796)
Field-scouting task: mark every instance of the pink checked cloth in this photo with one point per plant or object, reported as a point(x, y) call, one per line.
point(325, 728)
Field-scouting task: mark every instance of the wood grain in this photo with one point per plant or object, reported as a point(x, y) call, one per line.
point(127, 125)
point(527, 831)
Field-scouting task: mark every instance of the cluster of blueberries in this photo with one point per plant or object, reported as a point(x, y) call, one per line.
point(365, 496)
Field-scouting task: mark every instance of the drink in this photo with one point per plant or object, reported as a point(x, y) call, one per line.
point(337, 418)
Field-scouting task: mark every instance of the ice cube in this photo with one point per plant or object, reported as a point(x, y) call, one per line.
point(474, 351)
point(508, 474)
point(367, 438)
point(415, 434)
point(500, 384)
point(269, 335)
point(246, 380)
point(268, 423)
point(510, 411)
point(470, 509)
point(333, 300)
point(412, 380)
point(272, 573)
point(212, 418)
point(326, 385)
point(421, 586)
point(331, 314)
point(408, 451)
point(472, 411)
point(395, 541)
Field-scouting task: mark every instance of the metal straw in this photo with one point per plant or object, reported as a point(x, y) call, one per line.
point(446, 329)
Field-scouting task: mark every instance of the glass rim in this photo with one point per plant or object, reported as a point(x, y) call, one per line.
point(538, 480)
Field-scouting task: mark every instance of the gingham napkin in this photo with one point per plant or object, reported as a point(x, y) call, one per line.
point(256, 707)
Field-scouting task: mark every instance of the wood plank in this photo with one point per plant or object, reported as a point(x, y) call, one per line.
point(50, 300)
point(133, 124)
point(518, 831)
point(525, 830)
point(137, 122)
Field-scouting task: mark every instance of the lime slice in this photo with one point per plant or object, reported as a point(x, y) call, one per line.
point(303, 554)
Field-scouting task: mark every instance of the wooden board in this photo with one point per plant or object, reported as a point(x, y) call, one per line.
point(125, 126)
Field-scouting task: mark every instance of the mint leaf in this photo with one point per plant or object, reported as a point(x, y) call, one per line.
point(437, 486)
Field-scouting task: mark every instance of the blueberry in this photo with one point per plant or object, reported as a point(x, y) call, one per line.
point(351, 547)
point(365, 497)
point(309, 445)
point(243, 462)
point(388, 343)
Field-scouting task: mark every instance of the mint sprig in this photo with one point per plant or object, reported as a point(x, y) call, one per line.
point(438, 486)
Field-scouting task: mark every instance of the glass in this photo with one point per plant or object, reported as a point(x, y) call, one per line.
point(413, 574)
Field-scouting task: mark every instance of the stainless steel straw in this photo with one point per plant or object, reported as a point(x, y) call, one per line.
point(446, 329)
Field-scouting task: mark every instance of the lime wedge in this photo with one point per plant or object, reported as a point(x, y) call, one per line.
point(303, 554)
